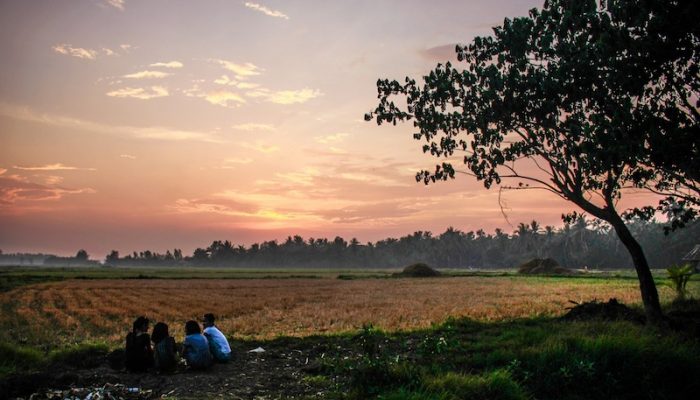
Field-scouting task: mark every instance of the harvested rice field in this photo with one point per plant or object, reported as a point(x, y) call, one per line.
point(74, 311)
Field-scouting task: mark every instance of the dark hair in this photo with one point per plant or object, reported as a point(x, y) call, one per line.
point(160, 332)
point(139, 323)
point(209, 318)
point(192, 327)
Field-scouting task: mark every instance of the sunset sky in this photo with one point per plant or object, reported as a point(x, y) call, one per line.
point(153, 124)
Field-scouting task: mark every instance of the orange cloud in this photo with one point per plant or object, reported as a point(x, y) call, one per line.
point(224, 98)
point(266, 11)
point(15, 189)
point(118, 4)
point(140, 93)
point(331, 138)
point(170, 64)
point(261, 147)
point(242, 71)
point(254, 127)
point(140, 132)
point(294, 96)
point(148, 75)
point(77, 52)
point(53, 167)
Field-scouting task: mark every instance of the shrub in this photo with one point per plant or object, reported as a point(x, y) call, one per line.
point(543, 266)
point(680, 275)
point(419, 270)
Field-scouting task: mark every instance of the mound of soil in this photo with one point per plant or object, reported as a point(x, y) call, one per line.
point(419, 270)
point(612, 310)
point(543, 266)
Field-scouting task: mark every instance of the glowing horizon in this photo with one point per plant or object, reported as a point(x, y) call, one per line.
point(134, 125)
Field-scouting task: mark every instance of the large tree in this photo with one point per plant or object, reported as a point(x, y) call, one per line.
point(582, 98)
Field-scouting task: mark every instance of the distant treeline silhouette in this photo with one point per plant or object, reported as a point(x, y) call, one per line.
point(81, 259)
point(582, 243)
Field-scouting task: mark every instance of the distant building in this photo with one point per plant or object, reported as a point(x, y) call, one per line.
point(693, 257)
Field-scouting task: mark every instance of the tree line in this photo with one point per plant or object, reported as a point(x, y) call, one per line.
point(580, 243)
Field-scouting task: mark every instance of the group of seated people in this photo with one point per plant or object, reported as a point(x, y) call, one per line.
point(200, 349)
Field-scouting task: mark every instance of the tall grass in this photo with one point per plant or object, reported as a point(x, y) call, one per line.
point(537, 358)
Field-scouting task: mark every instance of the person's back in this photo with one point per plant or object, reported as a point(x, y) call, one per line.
point(196, 347)
point(218, 344)
point(165, 356)
point(138, 354)
point(164, 353)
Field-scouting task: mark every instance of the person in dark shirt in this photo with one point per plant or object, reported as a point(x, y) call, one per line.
point(164, 353)
point(139, 355)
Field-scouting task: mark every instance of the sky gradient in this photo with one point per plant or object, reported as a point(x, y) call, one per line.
point(133, 124)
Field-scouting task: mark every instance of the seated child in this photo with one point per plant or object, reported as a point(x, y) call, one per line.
point(195, 348)
point(139, 355)
point(164, 354)
point(218, 345)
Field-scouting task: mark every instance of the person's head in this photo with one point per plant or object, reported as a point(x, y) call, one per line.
point(192, 327)
point(209, 319)
point(140, 325)
point(160, 332)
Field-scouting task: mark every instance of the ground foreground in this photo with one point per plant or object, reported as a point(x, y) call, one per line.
point(535, 358)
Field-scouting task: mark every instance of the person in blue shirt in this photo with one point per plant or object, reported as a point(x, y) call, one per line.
point(195, 348)
point(218, 345)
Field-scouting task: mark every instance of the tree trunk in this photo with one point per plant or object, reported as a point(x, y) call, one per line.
point(650, 297)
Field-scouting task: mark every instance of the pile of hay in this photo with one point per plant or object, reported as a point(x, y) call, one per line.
point(419, 270)
point(612, 310)
point(543, 266)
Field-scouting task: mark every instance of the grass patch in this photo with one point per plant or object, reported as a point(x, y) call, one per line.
point(9, 282)
point(529, 358)
point(495, 385)
point(22, 359)
point(19, 359)
point(83, 355)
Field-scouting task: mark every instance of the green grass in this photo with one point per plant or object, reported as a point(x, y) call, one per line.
point(531, 358)
point(12, 277)
point(23, 359)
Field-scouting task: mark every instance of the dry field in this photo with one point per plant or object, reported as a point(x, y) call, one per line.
point(58, 313)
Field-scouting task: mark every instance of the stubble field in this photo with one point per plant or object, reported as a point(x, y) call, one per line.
point(74, 311)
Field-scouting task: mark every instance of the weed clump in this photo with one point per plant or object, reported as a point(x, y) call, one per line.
point(418, 270)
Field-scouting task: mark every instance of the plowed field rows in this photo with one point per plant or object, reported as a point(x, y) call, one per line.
point(78, 310)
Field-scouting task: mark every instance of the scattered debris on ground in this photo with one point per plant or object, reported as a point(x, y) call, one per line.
point(543, 266)
point(107, 391)
point(419, 270)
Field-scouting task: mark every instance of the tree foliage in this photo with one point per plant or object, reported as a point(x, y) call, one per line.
point(578, 243)
point(583, 99)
